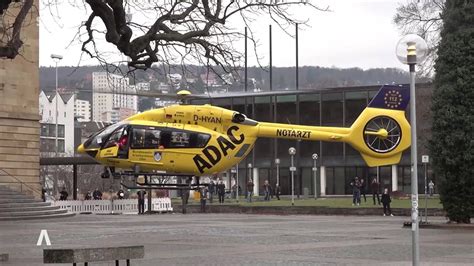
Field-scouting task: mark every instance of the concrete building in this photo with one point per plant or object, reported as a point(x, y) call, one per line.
point(111, 92)
point(143, 86)
point(65, 105)
point(338, 163)
point(82, 110)
point(19, 119)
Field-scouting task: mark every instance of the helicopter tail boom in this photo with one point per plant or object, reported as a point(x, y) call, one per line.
point(381, 132)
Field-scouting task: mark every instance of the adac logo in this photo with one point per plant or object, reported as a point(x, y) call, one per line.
point(393, 99)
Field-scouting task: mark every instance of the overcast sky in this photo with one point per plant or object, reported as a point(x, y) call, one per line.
point(355, 33)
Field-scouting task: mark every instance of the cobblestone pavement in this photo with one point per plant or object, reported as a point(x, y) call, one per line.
point(239, 239)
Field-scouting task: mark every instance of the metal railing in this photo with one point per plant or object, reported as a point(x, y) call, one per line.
point(16, 182)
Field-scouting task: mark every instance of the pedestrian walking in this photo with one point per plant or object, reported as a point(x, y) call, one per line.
point(141, 201)
point(221, 191)
point(355, 191)
point(249, 190)
point(362, 189)
point(431, 186)
point(375, 186)
point(204, 194)
point(277, 191)
point(266, 190)
point(386, 203)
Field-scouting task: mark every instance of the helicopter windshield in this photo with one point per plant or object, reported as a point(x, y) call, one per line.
point(96, 140)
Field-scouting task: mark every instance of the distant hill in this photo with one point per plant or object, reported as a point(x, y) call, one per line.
point(310, 77)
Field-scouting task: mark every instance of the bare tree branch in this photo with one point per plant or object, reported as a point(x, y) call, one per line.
point(11, 42)
point(422, 17)
point(182, 31)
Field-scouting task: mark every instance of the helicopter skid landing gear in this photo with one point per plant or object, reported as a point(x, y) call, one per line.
point(147, 183)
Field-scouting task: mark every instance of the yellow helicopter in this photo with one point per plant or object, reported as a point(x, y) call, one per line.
point(196, 140)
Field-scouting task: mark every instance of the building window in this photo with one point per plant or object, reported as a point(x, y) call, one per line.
point(49, 145)
point(49, 130)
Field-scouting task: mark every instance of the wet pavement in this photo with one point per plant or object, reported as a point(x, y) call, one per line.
point(240, 239)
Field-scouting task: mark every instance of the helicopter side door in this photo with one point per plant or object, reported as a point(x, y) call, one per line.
point(146, 145)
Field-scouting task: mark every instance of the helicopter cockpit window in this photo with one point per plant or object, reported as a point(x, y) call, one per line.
point(97, 139)
point(114, 138)
point(146, 138)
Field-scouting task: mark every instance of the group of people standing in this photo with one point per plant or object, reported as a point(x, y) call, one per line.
point(208, 193)
point(359, 189)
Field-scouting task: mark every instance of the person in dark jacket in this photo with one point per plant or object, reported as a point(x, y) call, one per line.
point(249, 190)
point(212, 190)
point(221, 191)
point(355, 191)
point(120, 194)
point(141, 201)
point(97, 195)
point(386, 203)
point(375, 186)
point(63, 194)
point(266, 190)
point(203, 195)
point(277, 191)
point(88, 196)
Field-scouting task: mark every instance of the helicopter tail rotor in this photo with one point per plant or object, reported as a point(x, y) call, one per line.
point(381, 133)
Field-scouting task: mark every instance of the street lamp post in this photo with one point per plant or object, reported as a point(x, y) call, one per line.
point(315, 170)
point(237, 182)
point(249, 193)
point(277, 162)
point(425, 159)
point(56, 59)
point(410, 50)
point(292, 152)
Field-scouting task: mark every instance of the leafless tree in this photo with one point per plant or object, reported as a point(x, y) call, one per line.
point(14, 15)
point(179, 32)
point(422, 17)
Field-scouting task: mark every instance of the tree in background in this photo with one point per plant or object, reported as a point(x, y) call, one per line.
point(422, 17)
point(13, 16)
point(178, 32)
point(452, 144)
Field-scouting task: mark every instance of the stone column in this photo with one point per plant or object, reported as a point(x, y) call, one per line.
point(256, 187)
point(19, 109)
point(322, 181)
point(394, 177)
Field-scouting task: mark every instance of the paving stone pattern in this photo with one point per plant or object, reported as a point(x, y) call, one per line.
point(242, 239)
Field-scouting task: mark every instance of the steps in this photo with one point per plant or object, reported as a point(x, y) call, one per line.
point(17, 206)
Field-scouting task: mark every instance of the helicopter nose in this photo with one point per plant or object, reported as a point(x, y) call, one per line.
point(81, 149)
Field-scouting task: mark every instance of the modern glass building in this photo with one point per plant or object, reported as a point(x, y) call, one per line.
point(338, 163)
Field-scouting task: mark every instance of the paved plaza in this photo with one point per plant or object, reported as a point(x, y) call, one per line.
point(239, 239)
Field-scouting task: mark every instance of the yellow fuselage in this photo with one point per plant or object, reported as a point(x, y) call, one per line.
point(231, 141)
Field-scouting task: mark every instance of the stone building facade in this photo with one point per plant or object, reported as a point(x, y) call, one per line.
point(19, 115)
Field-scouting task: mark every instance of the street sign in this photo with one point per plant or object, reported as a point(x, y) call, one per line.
point(293, 169)
point(425, 159)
